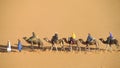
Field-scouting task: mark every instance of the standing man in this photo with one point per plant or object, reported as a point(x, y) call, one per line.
point(19, 45)
point(9, 46)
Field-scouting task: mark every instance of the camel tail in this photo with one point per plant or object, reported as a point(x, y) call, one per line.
point(117, 45)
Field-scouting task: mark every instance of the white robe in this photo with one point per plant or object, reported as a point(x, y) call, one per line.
point(9, 47)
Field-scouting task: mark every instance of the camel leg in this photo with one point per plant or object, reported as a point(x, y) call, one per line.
point(87, 46)
point(110, 48)
point(56, 48)
point(117, 46)
point(52, 47)
point(78, 46)
point(97, 46)
point(38, 46)
point(107, 46)
point(80, 49)
point(70, 47)
point(32, 45)
point(62, 47)
point(41, 46)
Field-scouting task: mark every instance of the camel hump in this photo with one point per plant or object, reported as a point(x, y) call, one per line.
point(39, 39)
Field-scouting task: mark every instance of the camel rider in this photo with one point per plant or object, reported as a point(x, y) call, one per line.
point(89, 38)
point(33, 36)
point(110, 37)
point(73, 35)
point(72, 38)
point(54, 38)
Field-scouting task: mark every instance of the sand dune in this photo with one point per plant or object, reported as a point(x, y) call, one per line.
point(19, 18)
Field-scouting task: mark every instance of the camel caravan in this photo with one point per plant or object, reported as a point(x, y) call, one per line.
point(70, 43)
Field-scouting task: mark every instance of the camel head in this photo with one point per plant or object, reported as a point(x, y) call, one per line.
point(82, 41)
point(65, 40)
point(25, 38)
point(101, 39)
point(46, 39)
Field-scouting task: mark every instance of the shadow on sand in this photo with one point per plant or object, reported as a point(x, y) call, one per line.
point(3, 48)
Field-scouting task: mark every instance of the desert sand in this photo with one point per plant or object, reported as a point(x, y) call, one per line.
point(19, 18)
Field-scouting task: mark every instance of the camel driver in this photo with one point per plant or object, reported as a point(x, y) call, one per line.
point(89, 38)
point(19, 45)
point(54, 38)
point(110, 37)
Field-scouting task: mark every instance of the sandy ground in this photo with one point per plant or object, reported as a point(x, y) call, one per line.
point(21, 18)
point(59, 59)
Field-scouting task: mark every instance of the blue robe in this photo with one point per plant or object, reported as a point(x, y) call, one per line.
point(89, 38)
point(19, 46)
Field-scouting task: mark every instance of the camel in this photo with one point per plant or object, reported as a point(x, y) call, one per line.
point(76, 42)
point(59, 41)
point(94, 42)
point(113, 42)
point(34, 40)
